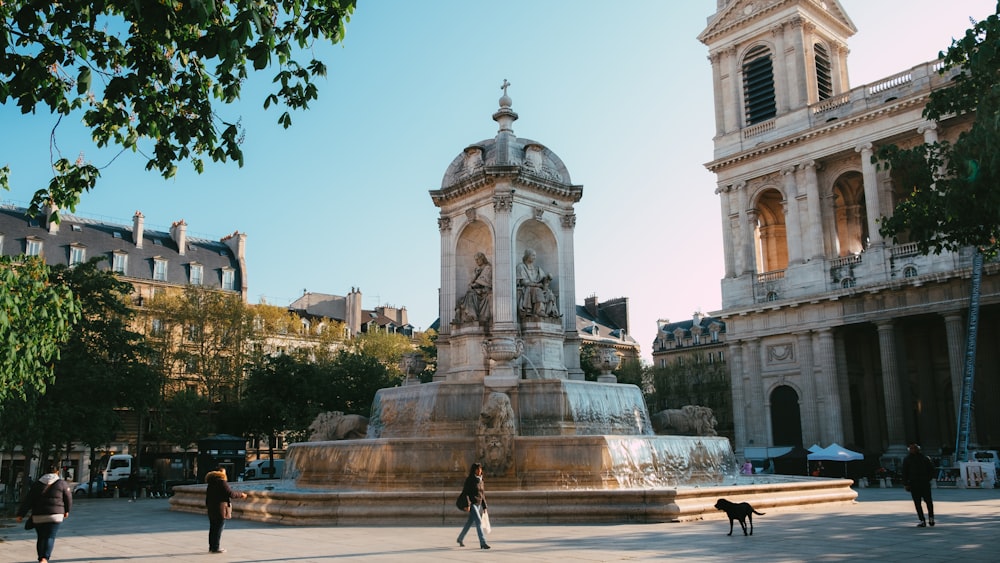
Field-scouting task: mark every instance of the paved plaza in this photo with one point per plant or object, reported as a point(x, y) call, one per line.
point(879, 527)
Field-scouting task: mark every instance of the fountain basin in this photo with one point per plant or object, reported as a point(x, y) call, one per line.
point(295, 506)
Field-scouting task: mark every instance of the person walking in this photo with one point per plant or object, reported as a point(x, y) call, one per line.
point(474, 491)
point(49, 500)
point(918, 470)
point(218, 493)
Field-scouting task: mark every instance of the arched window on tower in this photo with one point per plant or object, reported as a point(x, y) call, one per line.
point(770, 234)
point(851, 213)
point(758, 85)
point(824, 76)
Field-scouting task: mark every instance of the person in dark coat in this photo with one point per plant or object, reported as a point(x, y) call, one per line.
point(216, 493)
point(49, 500)
point(918, 470)
point(476, 493)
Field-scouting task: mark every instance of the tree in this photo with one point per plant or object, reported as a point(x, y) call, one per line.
point(386, 347)
point(349, 383)
point(280, 397)
point(954, 200)
point(36, 317)
point(144, 74)
point(953, 197)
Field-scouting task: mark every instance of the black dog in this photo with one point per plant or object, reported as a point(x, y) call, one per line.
point(742, 512)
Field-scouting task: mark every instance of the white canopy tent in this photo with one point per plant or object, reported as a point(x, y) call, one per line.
point(836, 452)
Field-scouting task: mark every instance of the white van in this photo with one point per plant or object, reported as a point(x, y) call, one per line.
point(261, 469)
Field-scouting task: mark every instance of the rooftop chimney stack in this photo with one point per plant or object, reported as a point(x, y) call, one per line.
point(137, 229)
point(178, 232)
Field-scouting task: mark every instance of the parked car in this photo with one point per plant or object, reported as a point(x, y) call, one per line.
point(263, 469)
point(83, 489)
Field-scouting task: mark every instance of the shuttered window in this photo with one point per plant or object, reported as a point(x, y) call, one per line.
point(824, 81)
point(758, 85)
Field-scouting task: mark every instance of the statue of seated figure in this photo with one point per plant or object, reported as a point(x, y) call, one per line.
point(535, 298)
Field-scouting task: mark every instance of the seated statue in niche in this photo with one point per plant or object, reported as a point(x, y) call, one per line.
point(477, 303)
point(535, 297)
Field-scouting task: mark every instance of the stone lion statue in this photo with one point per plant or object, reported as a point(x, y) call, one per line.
point(335, 425)
point(495, 434)
point(689, 420)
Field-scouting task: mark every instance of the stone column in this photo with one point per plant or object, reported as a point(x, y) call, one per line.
point(890, 387)
point(844, 387)
point(954, 326)
point(727, 232)
point(567, 297)
point(784, 71)
point(838, 70)
point(720, 111)
point(873, 209)
point(503, 286)
point(793, 232)
point(807, 371)
point(830, 414)
point(756, 413)
point(815, 216)
point(735, 108)
point(748, 220)
point(738, 383)
point(797, 81)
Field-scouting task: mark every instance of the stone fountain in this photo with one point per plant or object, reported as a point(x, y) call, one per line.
point(509, 391)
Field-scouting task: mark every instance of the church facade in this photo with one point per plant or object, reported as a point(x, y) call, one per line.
point(834, 334)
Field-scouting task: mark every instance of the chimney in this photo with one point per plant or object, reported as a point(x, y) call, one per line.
point(178, 232)
point(590, 304)
point(51, 225)
point(137, 229)
point(237, 242)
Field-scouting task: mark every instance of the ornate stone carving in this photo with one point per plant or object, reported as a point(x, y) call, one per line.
point(477, 303)
point(470, 214)
point(535, 296)
point(444, 223)
point(781, 353)
point(495, 435)
point(689, 420)
point(503, 203)
point(569, 221)
point(335, 425)
point(537, 213)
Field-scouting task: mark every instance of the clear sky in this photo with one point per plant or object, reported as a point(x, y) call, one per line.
point(621, 91)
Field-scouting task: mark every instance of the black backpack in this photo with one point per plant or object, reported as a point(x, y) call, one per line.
point(462, 502)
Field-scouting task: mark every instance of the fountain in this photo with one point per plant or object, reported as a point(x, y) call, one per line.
point(509, 391)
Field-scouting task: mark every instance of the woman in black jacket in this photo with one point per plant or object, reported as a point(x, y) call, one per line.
point(216, 493)
point(49, 501)
point(476, 505)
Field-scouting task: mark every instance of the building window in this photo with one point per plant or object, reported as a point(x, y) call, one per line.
point(758, 86)
point(910, 272)
point(715, 336)
point(824, 81)
point(772, 296)
point(119, 262)
point(228, 278)
point(159, 269)
point(1, 244)
point(847, 282)
point(77, 255)
point(156, 327)
point(722, 357)
point(197, 274)
point(33, 247)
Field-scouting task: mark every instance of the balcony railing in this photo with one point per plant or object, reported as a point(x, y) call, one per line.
point(771, 276)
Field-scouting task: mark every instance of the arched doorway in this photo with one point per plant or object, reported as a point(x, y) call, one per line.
point(786, 422)
point(851, 214)
point(770, 235)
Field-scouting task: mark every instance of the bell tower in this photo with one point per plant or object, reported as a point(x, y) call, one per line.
point(771, 58)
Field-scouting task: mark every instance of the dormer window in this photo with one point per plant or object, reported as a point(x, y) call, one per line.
point(159, 269)
point(197, 274)
point(77, 254)
point(33, 247)
point(119, 262)
point(228, 279)
point(758, 85)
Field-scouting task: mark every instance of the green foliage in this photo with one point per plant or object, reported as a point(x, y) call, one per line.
point(429, 354)
point(182, 420)
point(36, 317)
point(386, 347)
point(103, 364)
point(953, 197)
point(350, 382)
point(145, 74)
point(280, 396)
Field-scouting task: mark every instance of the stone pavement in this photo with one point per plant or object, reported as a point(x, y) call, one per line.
point(879, 527)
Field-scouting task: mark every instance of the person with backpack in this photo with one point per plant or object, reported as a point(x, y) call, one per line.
point(49, 500)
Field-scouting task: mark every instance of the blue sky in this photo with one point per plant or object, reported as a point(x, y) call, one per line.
point(620, 91)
